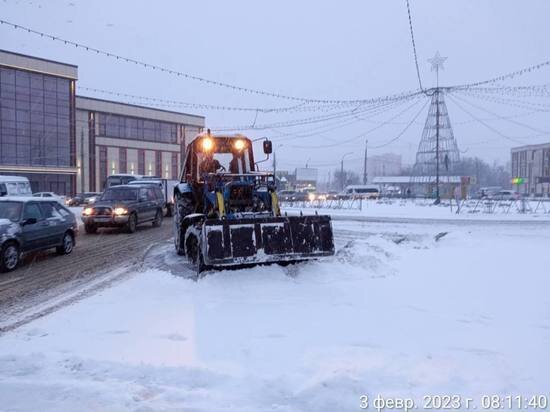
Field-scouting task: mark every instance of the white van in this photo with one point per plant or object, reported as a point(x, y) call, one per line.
point(15, 186)
point(362, 191)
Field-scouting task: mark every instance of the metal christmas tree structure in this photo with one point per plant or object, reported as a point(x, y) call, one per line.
point(438, 153)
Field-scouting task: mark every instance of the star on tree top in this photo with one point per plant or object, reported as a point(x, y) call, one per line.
point(437, 62)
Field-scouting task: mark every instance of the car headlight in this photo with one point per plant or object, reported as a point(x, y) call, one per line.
point(311, 196)
point(88, 211)
point(121, 211)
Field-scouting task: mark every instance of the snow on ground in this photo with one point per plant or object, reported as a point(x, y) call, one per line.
point(396, 312)
point(425, 209)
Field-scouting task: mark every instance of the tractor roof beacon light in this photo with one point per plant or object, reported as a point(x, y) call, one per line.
point(207, 144)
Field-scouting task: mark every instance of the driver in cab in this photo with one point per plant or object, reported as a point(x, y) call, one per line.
point(209, 164)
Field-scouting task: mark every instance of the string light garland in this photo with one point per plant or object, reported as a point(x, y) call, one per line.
point(414, 47)
point(180, 73)
point(361, 134)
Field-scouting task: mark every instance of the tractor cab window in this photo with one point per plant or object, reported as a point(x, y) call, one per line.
point(222, 162)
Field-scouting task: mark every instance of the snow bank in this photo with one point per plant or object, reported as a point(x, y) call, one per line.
point(396, 312)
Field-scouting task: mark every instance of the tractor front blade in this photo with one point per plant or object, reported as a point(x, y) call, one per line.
point(230, 242)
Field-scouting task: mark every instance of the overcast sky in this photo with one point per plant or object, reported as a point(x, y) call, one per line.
point(314, 49)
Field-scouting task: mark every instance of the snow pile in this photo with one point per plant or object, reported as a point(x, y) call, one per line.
point(396, 312)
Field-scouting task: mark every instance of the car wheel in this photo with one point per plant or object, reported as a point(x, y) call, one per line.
point(158, 218)
point(9, 258)
point(131, 226)
point(67, 245)
point(90, 229)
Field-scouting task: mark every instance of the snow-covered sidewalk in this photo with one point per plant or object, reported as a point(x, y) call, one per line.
point(396, 312)
point(423, 209)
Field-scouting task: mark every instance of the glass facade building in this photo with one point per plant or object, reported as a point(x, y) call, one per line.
point(67, 144)
point(37, 122)
point(531, 163)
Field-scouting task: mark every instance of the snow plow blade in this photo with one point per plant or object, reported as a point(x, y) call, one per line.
point(230, 242)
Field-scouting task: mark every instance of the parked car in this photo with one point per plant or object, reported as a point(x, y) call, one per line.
point(125, 206)
point(120, 179)
point(50, 195)
point(488, 192)
point(82, 199)
point(167, 187)
point(14, 186)
point(29, 224)
point(506, 195)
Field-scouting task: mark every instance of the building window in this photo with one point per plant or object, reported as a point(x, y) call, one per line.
point(158, 163)
point(122, 162)
point(35, 119)
point(124, 127)
point(174, 165)
point(141, 162)
point(103, 166)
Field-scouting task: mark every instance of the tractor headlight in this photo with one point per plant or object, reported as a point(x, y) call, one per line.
point(207, 144)
point(120, 211)
point(88, 211)
point(240, 144)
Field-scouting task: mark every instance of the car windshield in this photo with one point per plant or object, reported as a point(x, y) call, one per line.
point(10, 210)
point(120, 194)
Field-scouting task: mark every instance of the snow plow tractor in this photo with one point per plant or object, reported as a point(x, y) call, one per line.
point(227, 213)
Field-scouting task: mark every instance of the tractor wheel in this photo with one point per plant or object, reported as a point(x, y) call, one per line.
point(194, 252)
point(184, 206)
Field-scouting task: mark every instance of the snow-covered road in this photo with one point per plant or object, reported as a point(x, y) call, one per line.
point(396, 312)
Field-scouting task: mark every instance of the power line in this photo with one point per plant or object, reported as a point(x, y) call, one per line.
point(414, 46)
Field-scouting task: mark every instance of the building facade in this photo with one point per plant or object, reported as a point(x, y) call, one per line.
point(114, 138)
point(37, 121)
point(531, 164)
point(66, 144)
point(387, 164)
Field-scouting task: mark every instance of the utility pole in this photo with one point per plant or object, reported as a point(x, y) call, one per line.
point(365, 175)
point(342, 170)
point(275, 166)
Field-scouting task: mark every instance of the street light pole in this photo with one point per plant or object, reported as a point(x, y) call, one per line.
point(365, 175)
point(342, 169)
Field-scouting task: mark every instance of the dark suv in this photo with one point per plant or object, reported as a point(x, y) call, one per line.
point(125, 206)
point(32, 224)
